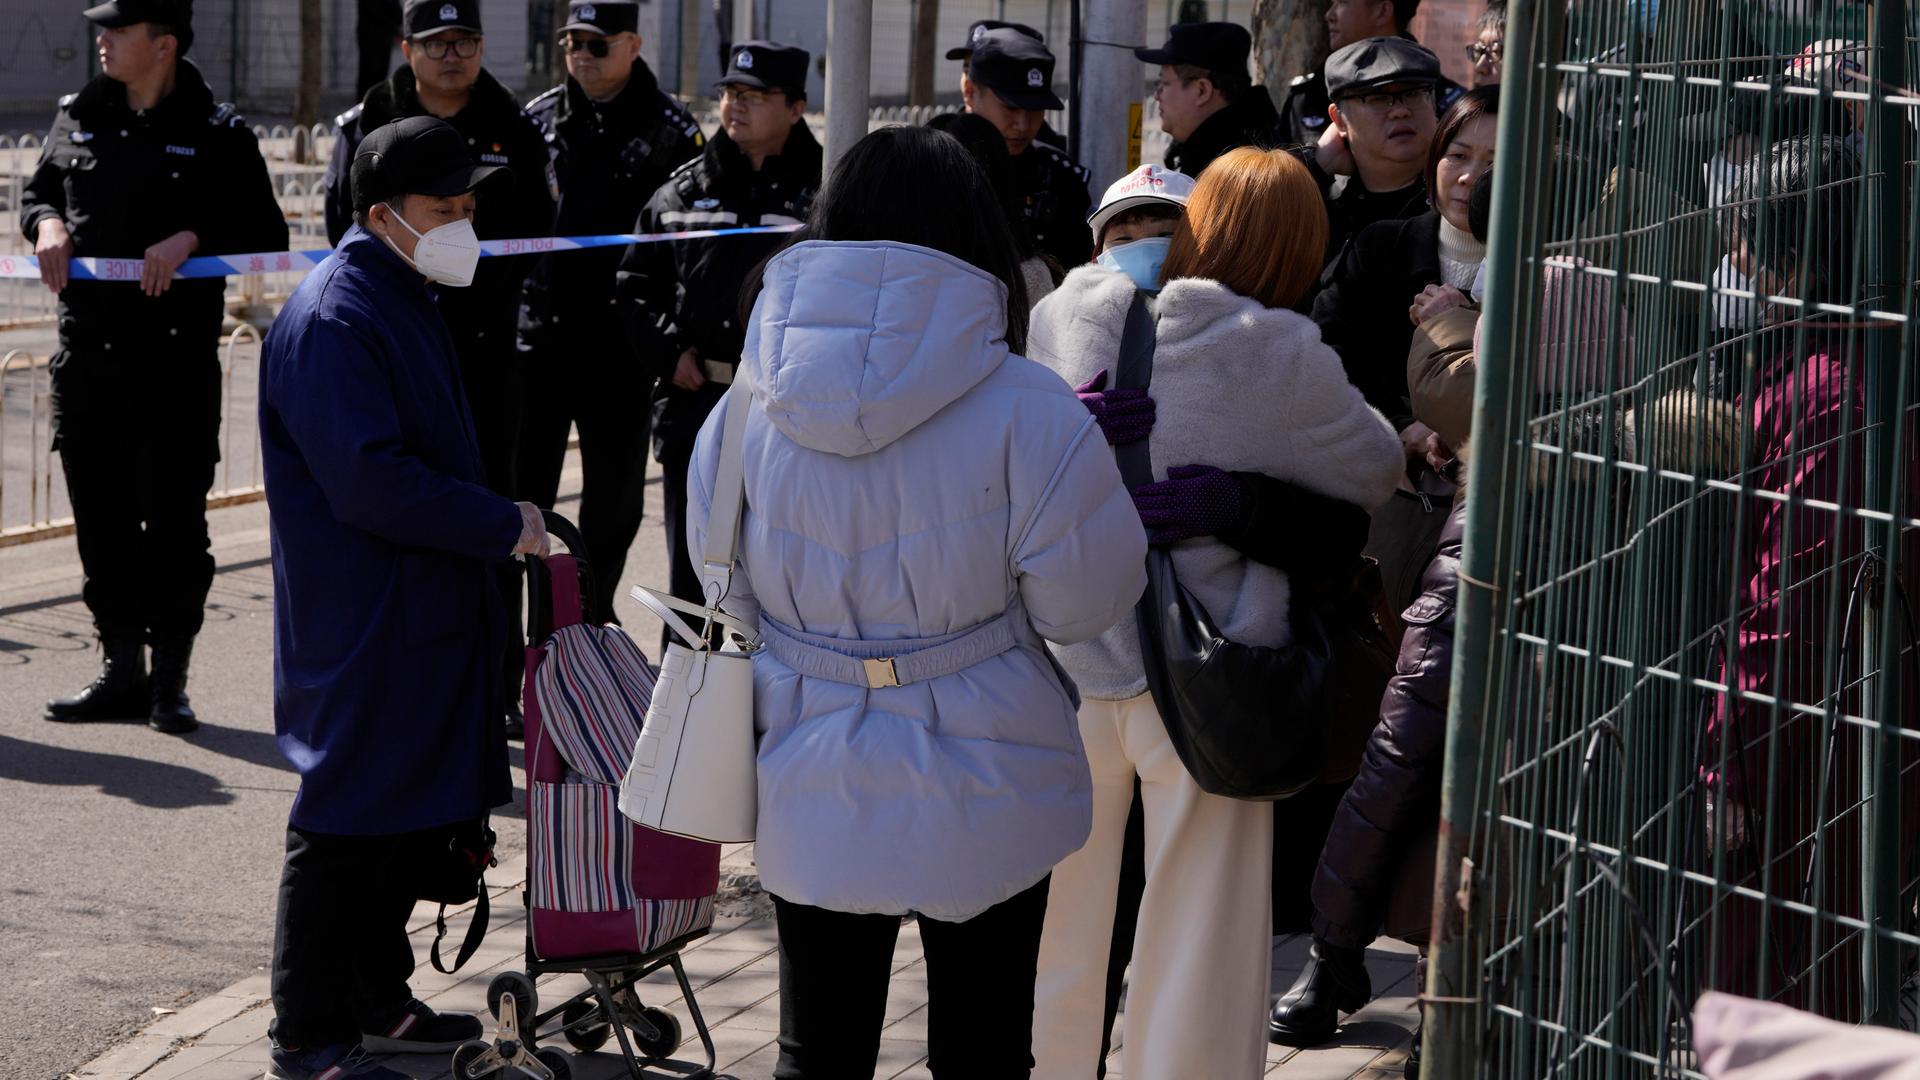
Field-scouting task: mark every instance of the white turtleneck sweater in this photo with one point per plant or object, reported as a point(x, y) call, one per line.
point(1460, 256)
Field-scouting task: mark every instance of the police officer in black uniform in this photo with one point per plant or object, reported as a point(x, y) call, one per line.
point(143, 163)
point(681, 300)
point(1009, 83)
point(1304, 111)
point(964, 54)
point(614, 138)
point(442, 77)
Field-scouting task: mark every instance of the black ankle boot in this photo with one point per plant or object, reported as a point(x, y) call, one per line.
point(170, 712)
point(119, 692)
point(1333, 982)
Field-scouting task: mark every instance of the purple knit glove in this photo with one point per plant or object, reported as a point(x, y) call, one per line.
point(1125, 416)
point(1194, 500)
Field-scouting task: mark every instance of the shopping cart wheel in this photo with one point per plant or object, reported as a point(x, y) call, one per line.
point(556, 1061)
point(667, 1033)
point(526, 1002)
point(582, 1033)
point(465, 1057)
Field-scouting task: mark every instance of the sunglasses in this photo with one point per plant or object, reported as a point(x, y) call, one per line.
point(596, 47)
point(437, 48)
point(1381, 102)
point(1479, 53)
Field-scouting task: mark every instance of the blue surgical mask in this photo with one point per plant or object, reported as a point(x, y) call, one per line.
point(1140, 260)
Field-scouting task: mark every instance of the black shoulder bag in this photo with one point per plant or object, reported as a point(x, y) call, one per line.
point(453, 871)
point(1248, 722)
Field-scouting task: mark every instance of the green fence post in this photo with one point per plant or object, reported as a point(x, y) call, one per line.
point(1453, 1008)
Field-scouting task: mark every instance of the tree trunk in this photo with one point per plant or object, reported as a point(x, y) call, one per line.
point(926, 45)
point(1289, 39)
point(306, 96)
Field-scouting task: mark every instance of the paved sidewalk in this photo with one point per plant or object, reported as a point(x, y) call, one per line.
point(734, 971)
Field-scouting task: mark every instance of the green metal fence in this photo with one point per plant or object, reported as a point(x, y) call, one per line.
point(1684, 752)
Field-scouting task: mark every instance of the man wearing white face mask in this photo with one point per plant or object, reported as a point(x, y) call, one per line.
point(389, 620)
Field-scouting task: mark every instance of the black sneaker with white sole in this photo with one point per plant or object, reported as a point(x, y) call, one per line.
point(420, 1030)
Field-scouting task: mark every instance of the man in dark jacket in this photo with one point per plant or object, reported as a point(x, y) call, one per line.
point(1009, 83)
point(681, 300)
point(964, 54)
point(1383, 114)
point(615, 138)
point(1208, 103)
point(143, 160)
point(1303, 112)
point(442, 77)
point(388, 619)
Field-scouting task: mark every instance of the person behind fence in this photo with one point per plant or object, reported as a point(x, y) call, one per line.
point(1228, 354)
point(1801, 589)
point(1209, 104)
point(1009, 82)
point(1303, 111)
point(1369, 164)
point(615, 137)
point(388, 619)
point(680, 302)
point(964, 54)
point(143, 164)
point(921, 496)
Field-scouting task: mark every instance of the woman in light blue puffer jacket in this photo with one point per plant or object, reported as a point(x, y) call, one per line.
point(914, 488)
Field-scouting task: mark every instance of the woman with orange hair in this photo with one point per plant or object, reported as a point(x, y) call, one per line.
point(1241, 384)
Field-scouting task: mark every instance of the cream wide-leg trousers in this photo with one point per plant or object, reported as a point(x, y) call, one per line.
point(1197, 996)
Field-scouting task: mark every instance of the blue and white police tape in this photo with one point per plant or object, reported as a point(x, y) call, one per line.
point(275, 262)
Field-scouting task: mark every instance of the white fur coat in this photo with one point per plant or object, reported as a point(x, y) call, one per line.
point(1241, 387)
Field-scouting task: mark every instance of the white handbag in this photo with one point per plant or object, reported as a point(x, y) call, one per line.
point(693, 770)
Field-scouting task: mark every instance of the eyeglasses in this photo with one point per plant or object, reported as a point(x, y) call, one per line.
point(1389, 101)
point(437, 48)
point(596, 47)
point(740, 95)
point(1480, 54)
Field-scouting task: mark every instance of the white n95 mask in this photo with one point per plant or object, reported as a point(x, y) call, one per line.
point(447, 254)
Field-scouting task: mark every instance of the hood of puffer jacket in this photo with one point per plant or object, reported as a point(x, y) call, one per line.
point(854, 344)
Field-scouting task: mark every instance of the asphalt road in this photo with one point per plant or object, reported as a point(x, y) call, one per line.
point(139, 870)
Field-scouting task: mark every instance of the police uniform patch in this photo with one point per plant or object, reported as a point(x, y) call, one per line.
point(1035, 78)
point(449, 13)
point(744, 61)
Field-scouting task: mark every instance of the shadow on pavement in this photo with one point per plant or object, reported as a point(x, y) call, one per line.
point(253, 747)
point(147, 783)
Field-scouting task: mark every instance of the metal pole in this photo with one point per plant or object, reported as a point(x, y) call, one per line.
point(849, 74)
point(1454, 983)
point(1886, 387)
point(1111, 83)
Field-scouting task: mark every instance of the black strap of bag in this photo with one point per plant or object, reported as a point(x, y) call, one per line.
point(457, 875)
point(476, 932)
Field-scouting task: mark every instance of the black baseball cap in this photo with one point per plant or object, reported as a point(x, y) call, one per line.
point(1215, 46)
point(177, 14)
point(421, 155)
point(768, 65)
point(425, 18)
point(981, 26)
point(1016, 68)
point(1380, 61)
point(608, 18)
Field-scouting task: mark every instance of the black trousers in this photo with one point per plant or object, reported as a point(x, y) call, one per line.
point(138, 432)
point(568, 383)
point(677, 419)
point(341, 958)
point(834, 970)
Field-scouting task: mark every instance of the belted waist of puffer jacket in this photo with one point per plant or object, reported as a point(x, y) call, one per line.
point(877, 664)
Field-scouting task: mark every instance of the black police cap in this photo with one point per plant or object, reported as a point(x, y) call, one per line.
point(420, 155)
point(423, 18)
point(1380, 61)
point(1214, 46)
point(177, 14)
point(981, 26)
point(1018, 69)
point(768, 65)
point(608, 18)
